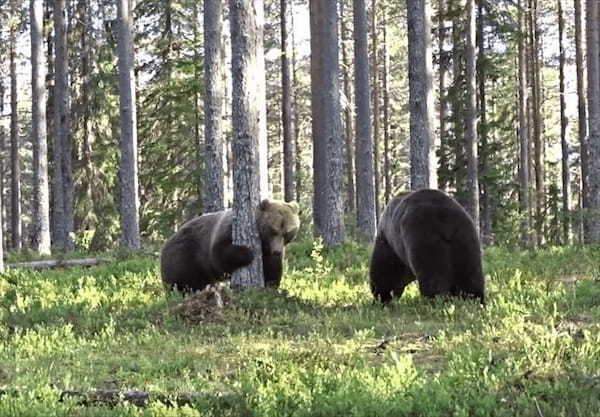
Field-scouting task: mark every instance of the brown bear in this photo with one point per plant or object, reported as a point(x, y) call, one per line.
point(426, 235)
point(202, 252)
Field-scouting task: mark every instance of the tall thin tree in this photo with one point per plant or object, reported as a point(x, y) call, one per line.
point(15, 166)
point(326, 128)
point(246, 113)
point(566, 178)
point(376, 103)
point(386, 108)
point(593, 96)
point(348, 113)
point(471, 115)
point(128, 170)
point(422, 161)
point(41, 191)
point(365, 187)
point(214, 180)
point(289, 151)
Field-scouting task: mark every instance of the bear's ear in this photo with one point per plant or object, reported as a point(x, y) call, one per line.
point(265, 204)
point(294, 206)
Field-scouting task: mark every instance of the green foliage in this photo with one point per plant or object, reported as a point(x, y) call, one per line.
point(317, 347)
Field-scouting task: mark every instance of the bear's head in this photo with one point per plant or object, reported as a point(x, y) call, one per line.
point(278, 224)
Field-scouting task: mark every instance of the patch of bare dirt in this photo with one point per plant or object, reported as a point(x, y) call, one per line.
point(203, 306)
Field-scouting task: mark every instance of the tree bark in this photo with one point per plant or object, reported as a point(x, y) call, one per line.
point(15, 166)
point(348, 113)
point(471, 117)
point(422, 161)
point(63, 178)
point(443, 106)
point(524, 201)
point(247, 105)
point(326, 128)
point(365, 191)
point(386, 111)
point(289, 148)
point(582, 115)
point(41, 191)
point(130, 202)
point(376, 106)
point(213, 107)
point(593, 96)
point(566, 178)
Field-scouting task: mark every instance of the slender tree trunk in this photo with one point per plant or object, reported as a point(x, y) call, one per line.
point(348, 131)
point(262, 85)
point(566, 178)
point(458, 172)
point(325, 103)
point(365, 191)
point(582, 115)
point(248, 101)
point(15, 166)
point(41, 191)
point(213, 107)
point(593, 96)
point(422, 161)
point(130, 203)
point(386, 110)
point(443, 106)
point(61, 151)
point(524, 200)
point(376, 105)
point(289, 148)
point(296, 123)
point(471, 117)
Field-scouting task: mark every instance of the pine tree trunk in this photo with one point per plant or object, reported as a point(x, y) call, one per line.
point(289, 148)
point(524, 201)
point(41, 191)
point(422, 161)
point(376, 105)
point(348, 131)
point(458, 105)
point(248, 101)
point(213, 107)
point(386, 111)
point(593, 96)
point(566, 178)
point(61, 151)
point(262, 86)
point(471, 117)
point(130, 203)
point(325, 103)
point(15, 166)
point(296, 123)
point(582, 115)
point(365, 191)
point(443, 106)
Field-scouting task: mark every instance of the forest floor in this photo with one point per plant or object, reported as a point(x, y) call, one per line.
point(317, 347)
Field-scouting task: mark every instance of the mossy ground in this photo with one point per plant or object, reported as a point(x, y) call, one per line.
point(317, 347)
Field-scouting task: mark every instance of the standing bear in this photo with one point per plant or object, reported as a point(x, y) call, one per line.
point(202, 252)
point(426, 235)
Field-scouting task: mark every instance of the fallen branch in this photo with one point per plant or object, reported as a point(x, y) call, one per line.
point(58, 263)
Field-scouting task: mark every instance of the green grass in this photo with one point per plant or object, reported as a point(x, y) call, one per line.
point(317, 347)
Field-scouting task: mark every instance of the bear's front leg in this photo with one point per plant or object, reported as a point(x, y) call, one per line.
point(273, 269)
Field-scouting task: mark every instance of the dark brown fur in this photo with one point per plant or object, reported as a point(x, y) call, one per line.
point(426, 235)
point(202, 252)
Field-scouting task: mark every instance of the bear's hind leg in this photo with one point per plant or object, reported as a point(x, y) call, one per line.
point(388, 274)
point(429, 258)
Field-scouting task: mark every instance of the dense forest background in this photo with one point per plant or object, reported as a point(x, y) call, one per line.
point(508, 84)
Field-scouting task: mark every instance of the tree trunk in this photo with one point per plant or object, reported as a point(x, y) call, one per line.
point(365, 192)
point(582, 116)
point(386, 111)
point(296, 123)
point(348, 131)
point(130, 203)
point(524, 200)
point(262, 86)
point(63, 179)
point(422, 161)
point(593, 96)
point(566, 178)
point(41, 191)
point(248, 102)
point(289, 148)
point(458, 172)
point(15, 166)
point(376, 105)
point(471, 117)
point(443, 108)
point(213, 107)
point(325, 103)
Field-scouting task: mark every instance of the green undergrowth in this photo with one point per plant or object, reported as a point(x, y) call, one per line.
point(319, 346)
